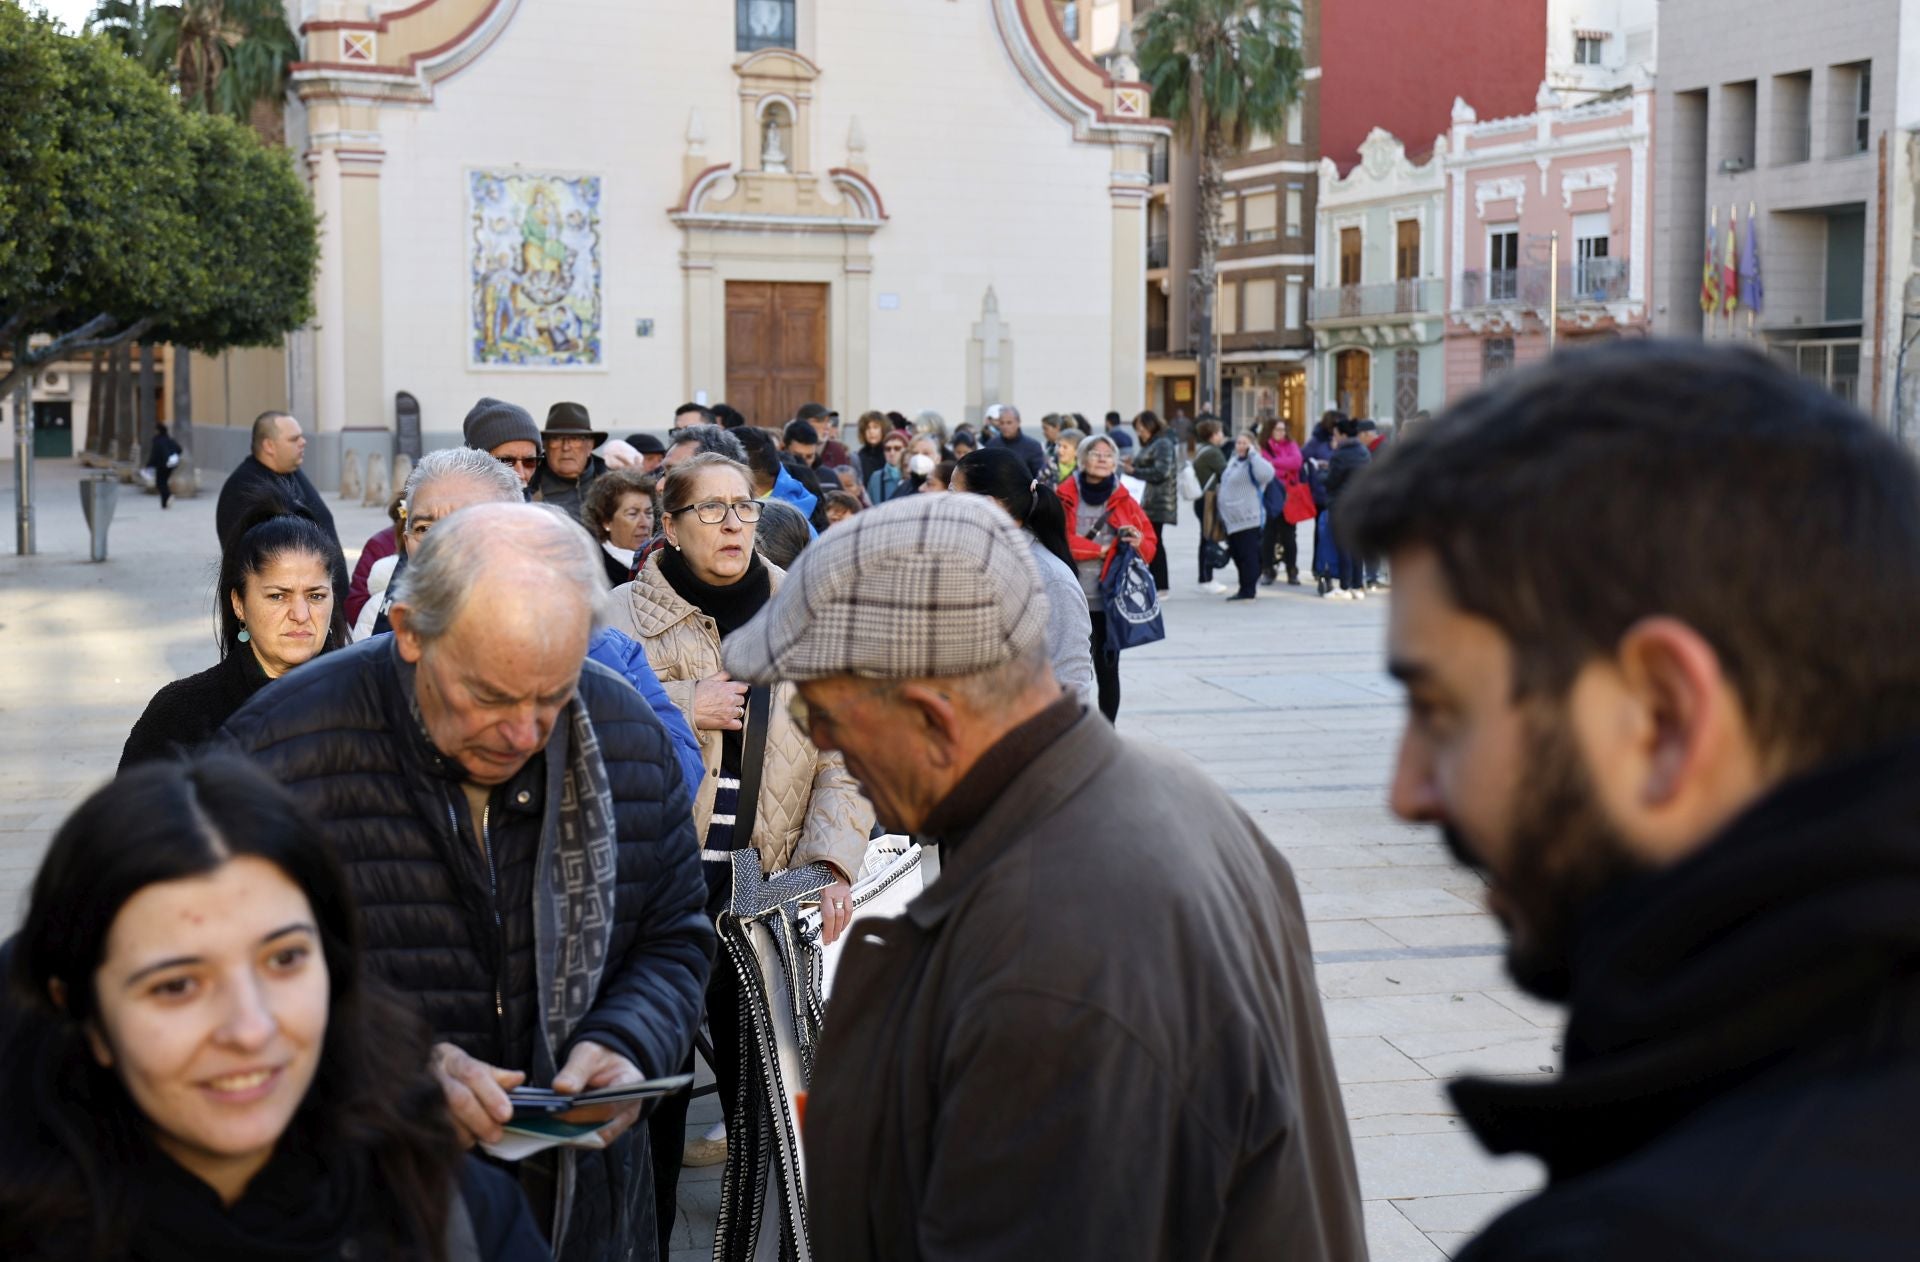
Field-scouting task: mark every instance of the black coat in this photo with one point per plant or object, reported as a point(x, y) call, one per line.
point(340, 732)
point(1347, 461)
point(1742, 1075)
point(186, 713)
point(1031, 453)
point(250, 479)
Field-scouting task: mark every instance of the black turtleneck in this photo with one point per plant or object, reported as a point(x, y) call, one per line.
point(186, 713)
point(1097, 490)
point(732, 606)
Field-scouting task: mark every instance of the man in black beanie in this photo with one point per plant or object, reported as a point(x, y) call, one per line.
point(569, 463)
point(506, 432)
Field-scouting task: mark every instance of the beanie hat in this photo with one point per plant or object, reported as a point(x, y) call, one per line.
point(492, 423)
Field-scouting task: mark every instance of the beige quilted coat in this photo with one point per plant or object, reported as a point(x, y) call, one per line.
point(811, 809)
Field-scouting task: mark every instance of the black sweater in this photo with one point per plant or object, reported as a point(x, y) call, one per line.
point(186, 713)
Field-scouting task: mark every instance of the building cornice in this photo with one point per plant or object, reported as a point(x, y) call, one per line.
point(396, 57)
point(1102, 108)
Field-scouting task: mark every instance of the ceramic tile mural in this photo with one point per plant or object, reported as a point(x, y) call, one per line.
point(534, 262)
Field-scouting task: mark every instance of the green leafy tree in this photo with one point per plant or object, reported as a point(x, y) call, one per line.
point(1220, 70)
point(123, 217)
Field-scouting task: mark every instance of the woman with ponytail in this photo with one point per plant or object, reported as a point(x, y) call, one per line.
point(276, 609)
point(1004, 478)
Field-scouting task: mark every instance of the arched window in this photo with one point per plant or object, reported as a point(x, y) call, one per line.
point(763, 24)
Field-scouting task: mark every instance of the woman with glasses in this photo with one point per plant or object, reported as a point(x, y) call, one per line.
point(884, 483)
point(275, 609)
point(618, 511)
point(688, 597)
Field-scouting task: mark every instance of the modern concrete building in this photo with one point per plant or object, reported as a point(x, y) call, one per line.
point(1807, 122)
point(1380, 308)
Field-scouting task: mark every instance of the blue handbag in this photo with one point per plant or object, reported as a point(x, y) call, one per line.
point(1131, 604)
point(1273, 496)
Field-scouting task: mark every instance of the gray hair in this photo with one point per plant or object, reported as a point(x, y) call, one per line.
point(782, 534)
point(709, 438)
point(463, 462)
point(447, 565)
point(931, 422)
point(1089, 443)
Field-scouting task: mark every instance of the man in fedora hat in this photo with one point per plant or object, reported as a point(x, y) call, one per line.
point(570, 463)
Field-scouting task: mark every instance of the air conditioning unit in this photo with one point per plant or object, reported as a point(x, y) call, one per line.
point(54, 381)
point(1733, 166)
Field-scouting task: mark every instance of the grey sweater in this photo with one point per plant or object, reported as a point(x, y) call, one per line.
point(1069, 628)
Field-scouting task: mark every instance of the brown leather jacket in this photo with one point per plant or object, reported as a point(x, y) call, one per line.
point(1095, 1036)
point(810, 807)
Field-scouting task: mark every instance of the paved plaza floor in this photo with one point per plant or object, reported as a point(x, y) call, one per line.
point(1282, 699)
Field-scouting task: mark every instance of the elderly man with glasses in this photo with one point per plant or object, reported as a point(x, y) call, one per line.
point(507, 433)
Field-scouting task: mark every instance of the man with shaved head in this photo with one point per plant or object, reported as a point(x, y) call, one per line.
point(272, 467)
point(520, 842)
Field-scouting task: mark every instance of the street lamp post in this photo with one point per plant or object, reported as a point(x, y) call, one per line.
point(23, 464)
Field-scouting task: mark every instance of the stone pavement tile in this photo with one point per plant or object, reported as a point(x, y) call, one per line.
point(1410, 1014)
point(1384, 904)
point(1357, 880)
point(1367, 978)
point(1334, 855)
point(1548, 1016)
point(1391, 1238)
point(1449, 1055)
point(1372, 1059)
point(1415, 1106)
point(1458, 1214)
point(1438, 931)
point(1349, 935)
point(1440, 1163)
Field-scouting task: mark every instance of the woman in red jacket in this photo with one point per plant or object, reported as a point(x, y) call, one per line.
point(1278, 543)
point(1101, 515)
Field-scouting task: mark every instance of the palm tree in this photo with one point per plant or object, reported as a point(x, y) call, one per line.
point(1221, 70)
point(225, 56)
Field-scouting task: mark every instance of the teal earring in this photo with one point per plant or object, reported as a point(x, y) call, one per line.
point(244, 637)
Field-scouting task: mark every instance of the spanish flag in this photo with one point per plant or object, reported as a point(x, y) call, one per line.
point(1709, 271)
point(1730, 267)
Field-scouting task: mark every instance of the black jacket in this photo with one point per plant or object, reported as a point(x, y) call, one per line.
point(566, 494)
point(1347, 461)
point(1028, 449)
point(1742, 1075)
point(186, 713)
point(250, 479)
point(457, 939)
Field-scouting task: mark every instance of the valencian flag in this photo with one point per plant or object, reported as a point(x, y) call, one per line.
point(1730, 266)
point(1709, 272)
point(1750, 290)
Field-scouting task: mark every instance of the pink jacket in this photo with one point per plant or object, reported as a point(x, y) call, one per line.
point(1284, 455)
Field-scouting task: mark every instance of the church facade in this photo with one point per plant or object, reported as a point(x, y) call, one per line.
point(902, 204)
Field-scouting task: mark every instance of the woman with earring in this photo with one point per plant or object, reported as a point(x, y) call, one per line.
point(275, 608)
point(688, 597)
point(195, 1065)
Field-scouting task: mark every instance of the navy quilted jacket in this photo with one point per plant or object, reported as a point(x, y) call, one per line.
point(456, 934)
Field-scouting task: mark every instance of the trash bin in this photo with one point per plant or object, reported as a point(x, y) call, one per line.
point(98, 493)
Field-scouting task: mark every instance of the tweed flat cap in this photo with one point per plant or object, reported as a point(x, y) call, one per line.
point(923, 586)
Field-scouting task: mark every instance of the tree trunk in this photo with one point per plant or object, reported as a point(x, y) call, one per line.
point(149, 412)
point(97, 405)
point(125, 421)
point(1206, 279)
point(109, 403)
point(185, 479)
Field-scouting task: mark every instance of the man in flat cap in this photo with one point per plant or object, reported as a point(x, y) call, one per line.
point(1096, 1034)
point(570, 463)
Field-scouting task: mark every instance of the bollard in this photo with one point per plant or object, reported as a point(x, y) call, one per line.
point(98, 491)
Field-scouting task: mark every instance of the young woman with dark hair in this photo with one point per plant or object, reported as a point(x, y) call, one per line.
point(197, 1067)
point(1004, 478)
point(1279, 543)
point(276, 608)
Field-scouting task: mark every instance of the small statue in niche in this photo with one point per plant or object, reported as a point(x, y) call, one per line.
point(773, 142)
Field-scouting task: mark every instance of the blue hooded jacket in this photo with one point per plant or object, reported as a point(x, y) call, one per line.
point(787, 487)
point(625, 657)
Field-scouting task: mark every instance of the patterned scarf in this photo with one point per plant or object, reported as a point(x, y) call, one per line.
point(574, 883)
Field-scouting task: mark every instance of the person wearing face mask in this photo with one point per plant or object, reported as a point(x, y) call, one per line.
point(516, 831)
point(689, 597)
point(923, 459)
point(1101, 515)
point(275, 609)
point(199, 1066)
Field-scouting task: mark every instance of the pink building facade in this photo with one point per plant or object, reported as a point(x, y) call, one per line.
point(1573, 176)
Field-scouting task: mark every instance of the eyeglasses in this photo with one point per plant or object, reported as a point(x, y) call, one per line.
point(804, 716)
point(894, 447)
point(523, 462)
point(713, 512)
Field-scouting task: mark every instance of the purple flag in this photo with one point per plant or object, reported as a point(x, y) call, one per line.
point(1750, 292)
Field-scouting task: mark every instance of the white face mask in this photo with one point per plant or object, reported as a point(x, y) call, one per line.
point(920, 464)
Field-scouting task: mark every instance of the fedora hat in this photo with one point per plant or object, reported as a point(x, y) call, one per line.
point(569, 420)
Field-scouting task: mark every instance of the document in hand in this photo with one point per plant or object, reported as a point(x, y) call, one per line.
point(537, 1127)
